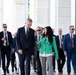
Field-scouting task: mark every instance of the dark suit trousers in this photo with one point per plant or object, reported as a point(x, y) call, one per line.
point(71, 56)
point(61, 60)
point(13, 60)
point(25, 68)
point(5, 51)
point(0, 58)
point(37, 64)
point(53, 63)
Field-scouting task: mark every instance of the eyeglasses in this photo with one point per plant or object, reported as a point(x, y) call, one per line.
point(5, 27)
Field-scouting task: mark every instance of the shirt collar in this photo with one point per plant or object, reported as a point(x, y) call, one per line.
point(4, 31)
point(70, 34)
point(25, 28)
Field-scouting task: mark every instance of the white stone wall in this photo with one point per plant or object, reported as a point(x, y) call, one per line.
point(1, 14)
point(21, 13)
point(14, 13)
point(41, 13)
point(64, 15)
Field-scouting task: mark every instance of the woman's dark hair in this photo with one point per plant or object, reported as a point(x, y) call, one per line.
point(49, 34)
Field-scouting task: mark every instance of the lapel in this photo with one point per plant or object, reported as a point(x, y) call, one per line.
point(74, 39)
point(36, 38)
point(8, 35)
point(29, 33)
point(58, 39)
point(2, 34)
point(62, 37)
point(23, 30)
point(24, 34)
point(69, 37)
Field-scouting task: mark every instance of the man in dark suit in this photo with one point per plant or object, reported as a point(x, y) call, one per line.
point(26, 43)
point(54, 54)
point(6, 45)
point(37, 63)
point(69, 47)
point(0, 58)
point(61, 60)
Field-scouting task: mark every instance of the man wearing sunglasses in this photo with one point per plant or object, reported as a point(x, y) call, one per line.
point(69, 47)
point(5, 45)
point(37, 63)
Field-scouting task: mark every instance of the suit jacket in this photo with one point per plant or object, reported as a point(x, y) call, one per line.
point(24, 42)
point(66, 44)
point(58, 43)
point(47, 48)
point(10, 40)
point(15, 44)
point(36, 47)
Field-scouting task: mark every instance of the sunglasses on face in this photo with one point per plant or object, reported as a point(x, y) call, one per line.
point(72, 29)
point(5, 27)
point(38, 30)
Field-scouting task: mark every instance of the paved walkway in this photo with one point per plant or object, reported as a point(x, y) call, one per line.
point(32, 71)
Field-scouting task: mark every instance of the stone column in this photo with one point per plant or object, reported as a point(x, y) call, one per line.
point(21, 13)
point(40, 12)
point(75, 16)
point(64, 15)
point(1, 14)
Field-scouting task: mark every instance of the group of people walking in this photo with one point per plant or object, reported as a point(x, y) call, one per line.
point(42, 46)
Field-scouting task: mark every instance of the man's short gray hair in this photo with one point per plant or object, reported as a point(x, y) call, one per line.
point(29, 20)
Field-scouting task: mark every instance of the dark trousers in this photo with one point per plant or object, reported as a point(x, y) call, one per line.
point(5, 51)
point(71, 56)
point(0, 58)
point(53, 63)
point(61, 61)
point(25, 57)
point(37, 64)
point(13, 60)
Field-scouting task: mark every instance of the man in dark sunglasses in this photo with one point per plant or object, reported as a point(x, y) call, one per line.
point(5, 45)
point(37, 63)
point(69, 47)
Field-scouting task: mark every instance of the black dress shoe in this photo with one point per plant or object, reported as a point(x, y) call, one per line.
point(68, 74)
point(12, 70)
point(7, 70)
point(54, 71)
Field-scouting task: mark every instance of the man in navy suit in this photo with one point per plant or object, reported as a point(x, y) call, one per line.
point(26, 42)
point(69, 47)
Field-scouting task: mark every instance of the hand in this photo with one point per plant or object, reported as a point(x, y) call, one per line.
point(37, 43)
point(20, 51)
point(32, 56)
point(53, 54)
point(65, 53)
point(12, 50)
point(3, 39)
point(62, 43)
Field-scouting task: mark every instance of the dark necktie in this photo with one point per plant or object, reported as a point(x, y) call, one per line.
point(27, 33)
point(6, 38)
point(71, 41)
point(60, 42)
